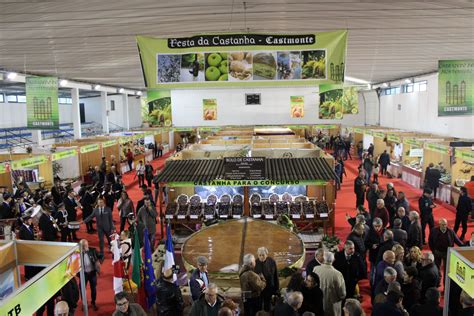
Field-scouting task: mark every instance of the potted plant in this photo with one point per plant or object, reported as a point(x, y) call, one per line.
point(331, 243)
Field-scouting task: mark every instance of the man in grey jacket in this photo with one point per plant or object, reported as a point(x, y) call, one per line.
point(147, 217)
point(104, 223)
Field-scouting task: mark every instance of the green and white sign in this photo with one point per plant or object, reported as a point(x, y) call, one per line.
point(245, 183)
point(244, 60)
point(379, 134)
point(64, 154)
point(42, 102)
point(439, 148)
point(465, 155)
point(394, 138)
point(412, 141)
point(109, 143)
point(89, 148)
point(455, 87)
point(29, 162)
point(461, 272)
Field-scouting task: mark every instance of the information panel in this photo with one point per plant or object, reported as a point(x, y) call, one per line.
point(244, 168)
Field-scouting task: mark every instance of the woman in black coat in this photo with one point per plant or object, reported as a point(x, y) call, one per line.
point(312, 295)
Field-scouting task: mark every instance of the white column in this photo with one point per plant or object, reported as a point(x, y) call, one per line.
point(76, 113)
point(104, 111)
point(126, 113)
point(36, 136)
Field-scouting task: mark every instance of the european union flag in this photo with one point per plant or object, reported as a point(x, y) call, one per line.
point(149, 273)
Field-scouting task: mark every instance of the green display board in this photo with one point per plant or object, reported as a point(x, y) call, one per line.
point(243, 60)
point(330, 101)
point(461, 272)
point(42, 102)
point(158, 108)
point(455, 87)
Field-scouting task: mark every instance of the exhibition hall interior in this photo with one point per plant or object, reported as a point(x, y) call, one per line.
point(229, 157)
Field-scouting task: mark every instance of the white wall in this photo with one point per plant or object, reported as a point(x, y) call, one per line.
point(231, 108)
point(419, 112)
point(14, 114)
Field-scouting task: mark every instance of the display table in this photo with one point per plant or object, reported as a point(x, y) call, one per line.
point(444, 192)
point(394, 169)
point(411, 176)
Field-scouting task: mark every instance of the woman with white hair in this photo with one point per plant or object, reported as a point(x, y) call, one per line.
point(267, 267)
point(251, 286)
point(332, 284)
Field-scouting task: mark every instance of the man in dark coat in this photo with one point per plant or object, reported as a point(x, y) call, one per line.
point(391, 307)
point(294, 300)
point(70, 294)
point(414, 236)
point(71, 205)
point(431, 306)
point(387, 244)
point(199, 278)
point(402, 214)
point(312, 295)
point(441, 238)
point(372, 242)
point(372, 196)
point(432, 176)
point(105, 226)
point(6, 211)
point(49, 230)
point(463, 209)
point(384, 161)
point(426, 206)
point(359, 188)
point(91, 269)
point(267, 266)
point(317, 260)
point(208, 303)
point(350, 264)
point(399, 235)
point(428, 273)
point(169, 298)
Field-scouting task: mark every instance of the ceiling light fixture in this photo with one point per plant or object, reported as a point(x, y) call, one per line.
point(139, 93)
point(97, 87)
point(63, 82)
point(385, 85)
point(408, 80)
point(121, 90)
point(11, 75)
point(356, 80)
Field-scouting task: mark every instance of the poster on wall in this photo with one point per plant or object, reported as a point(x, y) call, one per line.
point(350, 100)
point(455, 87)
point(223, 60)
point(42, 102)
point(7, 283)
point(157, 108)
point(209, 109)
point(330, 101)
point(297, 106)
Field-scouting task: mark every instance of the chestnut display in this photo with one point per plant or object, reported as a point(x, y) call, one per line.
point(295, 208)
point(183, 206)
point(308, 209)
point(322, 207)
point(268, 209)
point(223, 207)
point(255, 205)
point(195, 207)
point(237, 206)
point(210, 206)
point(171, 209)
point(281, 208)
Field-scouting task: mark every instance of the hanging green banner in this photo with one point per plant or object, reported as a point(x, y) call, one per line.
point(379, 134)
point(4, 168)
point(297, 106)
point(109, 143)
point(439, 148)
point(223, 60)
point(29, 162)
point(209, 109)
point(42, 102)
point(358, 130)
point(394, 138)
point(88, 148)
point(64, 154)
point(465, 155)
point(455, 87)
point(158, 112)
point(325, 126)
point(412, 141)
point(350, 100)
point(330, 101)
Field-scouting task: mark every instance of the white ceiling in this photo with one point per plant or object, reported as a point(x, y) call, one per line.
point(94, 40)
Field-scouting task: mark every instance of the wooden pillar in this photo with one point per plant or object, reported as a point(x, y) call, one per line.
point(246, 202)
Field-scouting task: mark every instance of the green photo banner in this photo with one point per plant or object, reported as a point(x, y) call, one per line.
point(42, 102)
point(243, 60)
point(455, 87)
point(297, 106)
point(330, 101)
point(158, 112)
point(63, 154)
point(209, 109)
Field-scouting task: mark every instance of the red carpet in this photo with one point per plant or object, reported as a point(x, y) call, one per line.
point(344, 204)
point(105, 292)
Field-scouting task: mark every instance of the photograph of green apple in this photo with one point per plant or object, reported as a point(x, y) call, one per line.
point(216, 67)
point(192, 67)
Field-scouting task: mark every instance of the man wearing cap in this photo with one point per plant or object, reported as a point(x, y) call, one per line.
point(199, 278)
point(426, 206)
point(71, 207)
point(168, 294)
point(26, 229)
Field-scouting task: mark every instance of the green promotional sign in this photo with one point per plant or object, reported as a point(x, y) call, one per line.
point(297, 106)
point(350, 100)
point(330, 101)
point(379, 134)
point(29, 162)
point(412, 141)
point(358, 130)
point(89, 148)
point(465, 155)
point(461, 273)
point(243, 60)
point(3, 168)
point(158, 108)
point(455, 87)
point(394, 138)
point(42, 102)
point(325, 126)
point(368, 132)
point(245, 183)
point(109, 143)
point(440, 148)
point(64, 154)
point(125, 139)
point(209, 109)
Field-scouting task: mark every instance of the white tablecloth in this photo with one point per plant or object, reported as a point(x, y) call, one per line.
point(395, 170)
point(411, 176)
point(444, 192)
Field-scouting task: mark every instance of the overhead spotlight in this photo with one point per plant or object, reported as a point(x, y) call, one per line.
point(408, 80)
point(121, 90)
point(385, 85)
point(369, 86)
point(63, 82)
point(139, 93)
point(97, 87)
point(11, 75)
